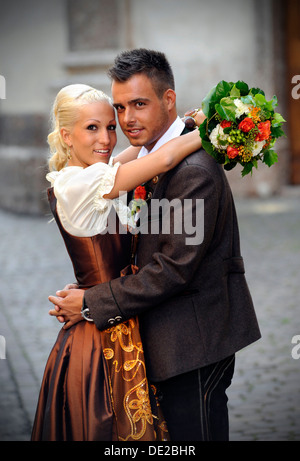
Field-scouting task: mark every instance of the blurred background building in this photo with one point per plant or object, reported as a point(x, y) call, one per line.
point(46, 45)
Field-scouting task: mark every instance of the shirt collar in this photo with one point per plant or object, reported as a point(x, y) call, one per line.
point(173, 131)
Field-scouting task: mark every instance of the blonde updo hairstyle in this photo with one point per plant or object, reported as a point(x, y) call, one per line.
point(65, 114)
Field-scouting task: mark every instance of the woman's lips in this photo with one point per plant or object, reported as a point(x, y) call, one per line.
point(102, 152)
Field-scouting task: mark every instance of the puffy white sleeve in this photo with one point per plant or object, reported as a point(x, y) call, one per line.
point(79, 192)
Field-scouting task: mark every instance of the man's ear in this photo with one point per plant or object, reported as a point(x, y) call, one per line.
point(170, 98)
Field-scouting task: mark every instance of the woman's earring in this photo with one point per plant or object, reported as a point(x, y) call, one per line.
point(69, 156)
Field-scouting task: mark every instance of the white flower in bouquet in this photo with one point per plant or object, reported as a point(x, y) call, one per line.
point(257, 147)
point(241, 108)
point(218, 138)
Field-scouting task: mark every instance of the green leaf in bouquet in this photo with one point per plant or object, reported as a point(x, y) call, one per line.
point(219, 157)
point(208, 147)
point(260, 100)
point(248, 99)
point(272, 143)
point(255, 91)
point(242, 87)
point(214, 96)
point(277, 131)
point(226, 109)
point(270, 157)
point(235, 92)
point(229, 166)
point(247, 168)
point(208, 103)
point(223, 88)
point(274, 102)
point(203, 130)
point(222, 142)
point(267, 106)
point(277, 120)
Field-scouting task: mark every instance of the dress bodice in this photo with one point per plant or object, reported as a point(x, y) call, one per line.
point(95, 259)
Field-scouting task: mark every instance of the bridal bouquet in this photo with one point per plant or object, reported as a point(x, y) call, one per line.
point(241, 126)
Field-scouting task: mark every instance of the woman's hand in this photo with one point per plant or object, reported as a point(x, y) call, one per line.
point(69, 286)
point(193, 118)
point(68, 304)
point(199, 117)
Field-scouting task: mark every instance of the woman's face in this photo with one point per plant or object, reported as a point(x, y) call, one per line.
point(93, 137)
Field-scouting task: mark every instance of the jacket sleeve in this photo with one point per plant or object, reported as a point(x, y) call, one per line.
point(175, 260)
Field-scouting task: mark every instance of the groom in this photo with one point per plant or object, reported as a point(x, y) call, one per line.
point(193, 303)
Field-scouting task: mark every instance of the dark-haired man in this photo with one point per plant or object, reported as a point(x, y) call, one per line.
point(193, 302)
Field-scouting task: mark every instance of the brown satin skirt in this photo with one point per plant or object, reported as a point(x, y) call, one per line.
point(95, 388)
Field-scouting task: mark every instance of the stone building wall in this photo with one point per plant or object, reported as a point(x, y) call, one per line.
point(46, 45)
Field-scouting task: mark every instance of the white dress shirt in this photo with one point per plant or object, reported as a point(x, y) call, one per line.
point(174, 131)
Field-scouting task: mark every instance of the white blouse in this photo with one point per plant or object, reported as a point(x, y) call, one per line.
point(79, 191)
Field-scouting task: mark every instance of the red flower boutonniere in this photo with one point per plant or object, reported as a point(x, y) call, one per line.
point(140, 198)
point(140, 193)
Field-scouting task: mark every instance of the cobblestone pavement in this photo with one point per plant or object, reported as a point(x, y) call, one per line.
point(264, 399)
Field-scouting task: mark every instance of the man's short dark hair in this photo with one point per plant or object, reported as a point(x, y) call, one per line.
point(153, 64)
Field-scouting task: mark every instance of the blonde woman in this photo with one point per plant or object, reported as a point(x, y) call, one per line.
point(94, 385)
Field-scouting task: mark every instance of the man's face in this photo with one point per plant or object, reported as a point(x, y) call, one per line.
point(143, 117)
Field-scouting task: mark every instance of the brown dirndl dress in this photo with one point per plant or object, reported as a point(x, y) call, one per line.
point(95, 386)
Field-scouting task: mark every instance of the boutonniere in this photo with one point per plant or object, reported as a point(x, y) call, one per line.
point(140, 198)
